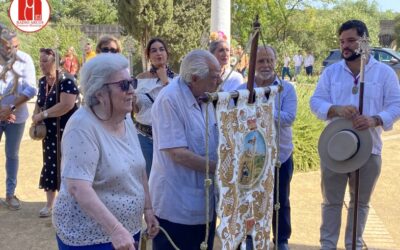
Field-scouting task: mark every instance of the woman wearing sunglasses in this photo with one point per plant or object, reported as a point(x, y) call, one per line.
point(104, 191)
point(149, 84)
point(108, 44)
point(49, 106)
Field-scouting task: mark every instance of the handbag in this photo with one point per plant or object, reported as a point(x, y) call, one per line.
point(38, 131)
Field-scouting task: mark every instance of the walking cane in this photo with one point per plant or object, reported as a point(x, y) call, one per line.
point(364, 50)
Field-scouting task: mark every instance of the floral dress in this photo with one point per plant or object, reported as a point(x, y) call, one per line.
point(48, 176)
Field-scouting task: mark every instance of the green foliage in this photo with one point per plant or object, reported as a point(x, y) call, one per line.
point(191, 20)
point(292, 25)
point(61, 36)
point(306, 131)
point(143, 19)
point(88, 12)
point(397, 30)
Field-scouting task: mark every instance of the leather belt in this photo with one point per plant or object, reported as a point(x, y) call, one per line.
point(144, 129)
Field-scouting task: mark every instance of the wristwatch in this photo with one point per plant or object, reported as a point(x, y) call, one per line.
point(45, 114)
point(378, 120)
point(12, 107)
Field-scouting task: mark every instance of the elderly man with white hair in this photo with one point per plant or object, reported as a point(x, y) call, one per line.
point(179, 159)
point(104, 191)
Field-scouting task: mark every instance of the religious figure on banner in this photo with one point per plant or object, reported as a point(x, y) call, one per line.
point(245, 176)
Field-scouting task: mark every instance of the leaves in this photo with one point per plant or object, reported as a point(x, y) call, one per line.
point(143, 19)
point(306, 131)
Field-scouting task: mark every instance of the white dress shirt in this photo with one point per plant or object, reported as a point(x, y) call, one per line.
point(381, 94)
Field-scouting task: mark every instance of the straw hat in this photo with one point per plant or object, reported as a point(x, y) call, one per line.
point(342, 148)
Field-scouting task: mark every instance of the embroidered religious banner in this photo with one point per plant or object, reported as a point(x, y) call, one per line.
point(245, 174)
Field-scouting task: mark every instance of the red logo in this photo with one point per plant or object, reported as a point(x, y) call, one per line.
point(29, 15)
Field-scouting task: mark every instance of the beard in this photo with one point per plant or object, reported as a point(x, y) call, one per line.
point(351, 58)
point(265, 76)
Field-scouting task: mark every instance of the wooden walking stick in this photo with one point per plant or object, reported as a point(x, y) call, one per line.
point(250, 222)
point(364, 50)
point(252, 59)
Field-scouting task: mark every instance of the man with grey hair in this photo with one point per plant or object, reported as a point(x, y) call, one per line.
point(266, 76)
point(179, 160)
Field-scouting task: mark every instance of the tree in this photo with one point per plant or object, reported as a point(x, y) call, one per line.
point(144, 19)
point(190, 22)
point(397, 30)
point(91, 12)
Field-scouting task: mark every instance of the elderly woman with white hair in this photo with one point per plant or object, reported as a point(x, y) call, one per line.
point(104, 190)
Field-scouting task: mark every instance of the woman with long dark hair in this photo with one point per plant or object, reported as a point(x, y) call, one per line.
point(149, 85)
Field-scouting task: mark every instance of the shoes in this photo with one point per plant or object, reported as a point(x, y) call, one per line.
point(12, 202)
point(283, 246)
point(45, 212)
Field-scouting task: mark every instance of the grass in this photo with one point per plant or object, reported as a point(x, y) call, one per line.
point(306, 131)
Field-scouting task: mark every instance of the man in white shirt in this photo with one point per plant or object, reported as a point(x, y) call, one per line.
point(309, 63)
point(298, 61)
point(337, 95)
point(179, 159)
point(17, 86)
point(286, 68)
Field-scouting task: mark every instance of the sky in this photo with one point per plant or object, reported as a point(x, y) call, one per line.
point(393, 5)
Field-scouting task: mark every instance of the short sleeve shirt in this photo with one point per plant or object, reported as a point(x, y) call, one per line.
point(179, 121)
point(114, 165)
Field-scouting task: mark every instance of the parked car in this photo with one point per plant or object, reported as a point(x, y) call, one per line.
point(385, 55)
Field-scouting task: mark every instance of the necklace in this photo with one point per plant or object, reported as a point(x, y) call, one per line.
point(354, 90)
point(48, 91)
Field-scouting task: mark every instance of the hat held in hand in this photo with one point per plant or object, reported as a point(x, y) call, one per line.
point(342, 148)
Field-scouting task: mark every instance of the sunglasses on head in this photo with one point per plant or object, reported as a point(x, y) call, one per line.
point(47, 51)
point(124, 84)
point(108, 50)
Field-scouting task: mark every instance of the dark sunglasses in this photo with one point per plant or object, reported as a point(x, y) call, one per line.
point(108, 50)
point(124, 84)
point(47, 51)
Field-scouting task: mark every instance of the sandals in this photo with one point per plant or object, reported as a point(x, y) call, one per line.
point(45, 212)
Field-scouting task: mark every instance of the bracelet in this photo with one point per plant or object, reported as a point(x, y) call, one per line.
point(115, 227)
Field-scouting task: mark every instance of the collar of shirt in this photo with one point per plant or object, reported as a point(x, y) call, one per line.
point(188, 97)
point(371, 62)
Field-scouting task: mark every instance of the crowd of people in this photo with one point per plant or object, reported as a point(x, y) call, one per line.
point(299, 61)
point(136, 148)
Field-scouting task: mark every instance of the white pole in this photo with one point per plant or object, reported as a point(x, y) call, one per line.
point(221, 17)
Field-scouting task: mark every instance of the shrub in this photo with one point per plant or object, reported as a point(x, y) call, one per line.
point(306, 131)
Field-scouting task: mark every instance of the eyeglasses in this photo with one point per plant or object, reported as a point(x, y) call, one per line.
point(109, 50)
point(124, 84)
point(47, 51)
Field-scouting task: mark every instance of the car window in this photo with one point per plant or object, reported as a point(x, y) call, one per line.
point(335, 55)
point(382, 56)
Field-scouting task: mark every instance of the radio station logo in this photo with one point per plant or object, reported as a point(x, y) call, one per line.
point(29, 15)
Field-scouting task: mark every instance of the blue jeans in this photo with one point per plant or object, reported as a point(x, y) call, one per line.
point(297, 70)
point(13, 133)
point(187, 237)
point(285, 176)
point(147, 148)
point(309, 70)
point(104, 246)
point(286, 71)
